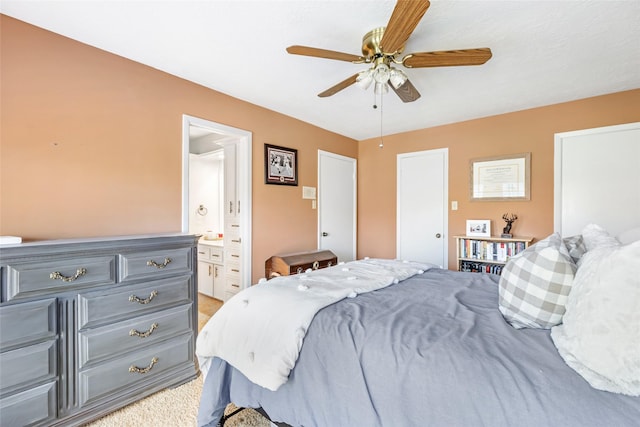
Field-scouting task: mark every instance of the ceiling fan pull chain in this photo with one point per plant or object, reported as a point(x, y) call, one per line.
point(381, 145)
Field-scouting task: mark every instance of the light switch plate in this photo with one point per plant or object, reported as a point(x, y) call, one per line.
point(309, 192)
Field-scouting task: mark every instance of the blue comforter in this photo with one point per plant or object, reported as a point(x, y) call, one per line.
point(432, 350)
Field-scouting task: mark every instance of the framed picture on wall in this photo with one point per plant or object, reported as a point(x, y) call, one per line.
point(280, 165)
point(500, 178)
point(479, 227)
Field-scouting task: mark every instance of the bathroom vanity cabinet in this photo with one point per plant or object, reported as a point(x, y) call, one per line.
point(90, 325)
point(211, 280)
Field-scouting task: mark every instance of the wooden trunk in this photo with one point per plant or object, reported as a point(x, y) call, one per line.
point(296, 263)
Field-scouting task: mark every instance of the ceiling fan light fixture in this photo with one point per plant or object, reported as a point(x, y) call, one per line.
point(381, 88)
point(364, 79)
point(381, 73)
point(397, 78)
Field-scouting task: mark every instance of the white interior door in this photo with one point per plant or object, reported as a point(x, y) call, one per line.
point(337, 205)
point(422, 207)
point(597, 179)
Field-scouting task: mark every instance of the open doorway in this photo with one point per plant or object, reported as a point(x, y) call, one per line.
point(206, 183)
point(209, 142)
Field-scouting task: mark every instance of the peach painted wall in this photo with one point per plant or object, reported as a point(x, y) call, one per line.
point(91, 145)
point(524, 131)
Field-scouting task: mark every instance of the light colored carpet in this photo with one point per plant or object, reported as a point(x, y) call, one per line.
point(176, 407)
point(202, 320)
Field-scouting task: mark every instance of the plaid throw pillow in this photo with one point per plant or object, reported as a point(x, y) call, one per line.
point(535, 284)
point(576, 247)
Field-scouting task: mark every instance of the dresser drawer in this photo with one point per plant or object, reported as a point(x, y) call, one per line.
point(36, 278)
point(148, 264)
point(216, 254)
point(211, 253)
point(233, 256)
point(135, 370)
point(232, 276)
point(27, 322)
point(28, 365)
point(100, 307)
point(34, 406)
point(98, 344)
point(204, 253)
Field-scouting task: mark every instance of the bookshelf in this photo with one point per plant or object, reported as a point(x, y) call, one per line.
point(487, 254)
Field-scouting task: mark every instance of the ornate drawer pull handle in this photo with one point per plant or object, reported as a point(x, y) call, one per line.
point(139, 300)
point(56, 275)
point(137, 333)
point(152, 263)
point(135, 369)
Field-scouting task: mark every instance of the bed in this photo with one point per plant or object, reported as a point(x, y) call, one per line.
point(433, 349)
point(554, 340)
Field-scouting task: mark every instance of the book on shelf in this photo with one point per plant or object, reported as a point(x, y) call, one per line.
point(489, 250)
point(480, 267)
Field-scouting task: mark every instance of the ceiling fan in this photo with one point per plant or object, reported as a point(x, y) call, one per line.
point(382, 48)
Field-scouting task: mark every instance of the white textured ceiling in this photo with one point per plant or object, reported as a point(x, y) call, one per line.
point(544, 52)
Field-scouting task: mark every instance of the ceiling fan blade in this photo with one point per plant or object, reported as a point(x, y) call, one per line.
point(447, 58)
point(404, 19)
point(323, 53)
point(407, 92)
point(337, 88)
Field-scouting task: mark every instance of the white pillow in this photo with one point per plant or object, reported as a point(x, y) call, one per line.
point(534, 285)
point(600, 334)
point(595, 236)
point(629, 236)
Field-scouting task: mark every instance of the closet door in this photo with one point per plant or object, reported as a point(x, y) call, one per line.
point(337, 205)
point(597, 179)
point(421, 221)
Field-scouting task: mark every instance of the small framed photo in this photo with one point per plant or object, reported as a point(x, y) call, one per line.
point(280, 165)
point(479, 227)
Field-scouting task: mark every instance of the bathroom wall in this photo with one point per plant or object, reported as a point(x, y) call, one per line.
point(206, 189)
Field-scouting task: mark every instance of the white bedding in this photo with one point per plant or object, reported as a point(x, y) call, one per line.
point(600, 334)
point(260, 330)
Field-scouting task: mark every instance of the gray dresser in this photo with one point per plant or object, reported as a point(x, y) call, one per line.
point(90, 325)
